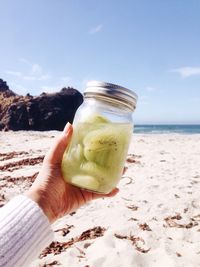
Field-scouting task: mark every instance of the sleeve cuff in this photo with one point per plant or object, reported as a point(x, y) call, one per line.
point(24, 232)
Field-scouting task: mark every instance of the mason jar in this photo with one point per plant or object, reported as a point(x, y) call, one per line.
point(102, 130)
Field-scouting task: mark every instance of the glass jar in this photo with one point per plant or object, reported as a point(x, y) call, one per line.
point(95, 157)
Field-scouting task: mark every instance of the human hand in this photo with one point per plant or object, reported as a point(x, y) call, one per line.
point(56, 197)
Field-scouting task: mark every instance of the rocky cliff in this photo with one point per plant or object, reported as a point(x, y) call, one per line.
point(44, 112)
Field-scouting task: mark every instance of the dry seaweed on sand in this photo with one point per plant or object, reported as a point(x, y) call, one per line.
point(65, 230)
point(10, 155)
point(53, 263)
point(136, 241)
point(171, 221)
point(19, 164)
point(144, 227)
point(132, 158)
point(132, 207)
point(58, 247)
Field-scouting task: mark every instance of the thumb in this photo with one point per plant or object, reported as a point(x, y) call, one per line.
point(55, 154)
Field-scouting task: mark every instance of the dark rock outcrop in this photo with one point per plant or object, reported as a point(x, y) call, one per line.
point(4, 89)
point(42, 113)
point(3, 86)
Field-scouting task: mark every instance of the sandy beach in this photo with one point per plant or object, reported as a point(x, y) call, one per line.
point(153, 221)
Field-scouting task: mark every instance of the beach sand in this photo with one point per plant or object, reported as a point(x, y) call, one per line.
point(153, 221)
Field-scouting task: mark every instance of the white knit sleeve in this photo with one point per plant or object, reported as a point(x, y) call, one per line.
point(24, 232)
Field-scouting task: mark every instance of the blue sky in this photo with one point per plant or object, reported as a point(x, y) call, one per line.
point(151, 47)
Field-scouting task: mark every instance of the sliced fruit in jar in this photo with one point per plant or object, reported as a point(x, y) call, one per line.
point(95, 157)
point(101, 146)
point(71, 160)
point(94, 169)
point(91, 123)
point(96, 118)
point(85, 181)
point(106, 188)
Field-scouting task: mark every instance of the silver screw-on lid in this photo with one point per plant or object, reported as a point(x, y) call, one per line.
point(111, 91)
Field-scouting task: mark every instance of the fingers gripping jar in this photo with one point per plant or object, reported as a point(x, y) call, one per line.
point(103, 127)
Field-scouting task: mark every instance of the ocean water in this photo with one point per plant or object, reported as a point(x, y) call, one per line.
point(163, 129)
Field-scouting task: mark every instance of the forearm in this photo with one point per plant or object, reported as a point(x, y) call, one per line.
point(24, 232)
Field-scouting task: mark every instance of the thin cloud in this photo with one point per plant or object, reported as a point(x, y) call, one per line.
point(36, 69)
point(34, 73)
point(96, 29)
point(14, 73)
point(185, 72)
point(24, 60)
point(29, 78)
point(56, 86)
point(36, 78)
point(143, 100)
point(44, 77)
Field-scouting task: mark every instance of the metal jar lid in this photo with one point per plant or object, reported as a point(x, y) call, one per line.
point(111, 91)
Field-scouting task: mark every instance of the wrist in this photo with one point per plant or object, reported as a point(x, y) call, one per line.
point(40, 200)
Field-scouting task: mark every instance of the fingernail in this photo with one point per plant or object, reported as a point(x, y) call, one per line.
point(67, 127)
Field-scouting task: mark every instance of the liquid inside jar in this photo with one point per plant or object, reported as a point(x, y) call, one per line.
point(95, 157)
